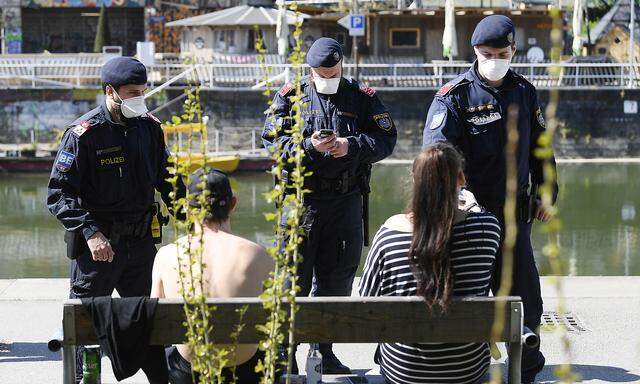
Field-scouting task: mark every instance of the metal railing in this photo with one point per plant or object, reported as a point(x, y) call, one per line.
point(236, 140)
point(219, 76)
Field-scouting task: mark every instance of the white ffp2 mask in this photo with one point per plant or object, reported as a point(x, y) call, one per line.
point(327, 86)
point(132, 107)
point(493, 69)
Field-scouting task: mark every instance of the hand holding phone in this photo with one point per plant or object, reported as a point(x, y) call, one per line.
point(323, 140)
point(324, 133)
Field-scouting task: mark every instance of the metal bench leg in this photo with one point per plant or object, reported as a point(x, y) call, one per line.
point(515, 344)
point(515, 362)
point(69, 364)
point(69, 344)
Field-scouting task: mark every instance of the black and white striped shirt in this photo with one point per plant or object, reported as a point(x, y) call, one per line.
point(474, 244)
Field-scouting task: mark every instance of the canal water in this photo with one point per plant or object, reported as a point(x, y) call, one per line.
point(598, 206)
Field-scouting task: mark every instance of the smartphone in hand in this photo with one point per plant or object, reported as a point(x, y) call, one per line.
point(326, 133)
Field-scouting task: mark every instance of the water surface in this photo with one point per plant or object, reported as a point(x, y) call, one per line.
point(598, 204)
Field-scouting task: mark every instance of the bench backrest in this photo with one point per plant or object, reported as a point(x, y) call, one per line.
point(329, 319)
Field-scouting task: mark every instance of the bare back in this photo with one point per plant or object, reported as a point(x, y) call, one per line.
point(234, 267)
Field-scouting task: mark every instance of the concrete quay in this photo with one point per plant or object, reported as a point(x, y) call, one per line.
point(605, 345)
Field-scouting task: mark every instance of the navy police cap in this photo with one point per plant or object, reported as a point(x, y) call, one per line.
point(123, 70)
point(324, 52)
point(496, 31)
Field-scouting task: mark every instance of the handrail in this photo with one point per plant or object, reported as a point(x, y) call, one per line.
point(33, 73)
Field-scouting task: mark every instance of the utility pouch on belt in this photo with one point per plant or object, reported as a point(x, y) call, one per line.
point(76, 244)
point(528, 204)
point(157, 221)
point(365, 189)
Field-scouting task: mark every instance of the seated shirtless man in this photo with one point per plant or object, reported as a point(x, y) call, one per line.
point(234, 267)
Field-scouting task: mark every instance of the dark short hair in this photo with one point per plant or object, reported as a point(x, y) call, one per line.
point(217, 194)
point(104, 88)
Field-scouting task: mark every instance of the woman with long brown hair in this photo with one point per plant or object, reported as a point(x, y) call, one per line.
point(436, 250)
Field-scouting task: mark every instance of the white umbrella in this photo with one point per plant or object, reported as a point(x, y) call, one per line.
point(449, 38)
point(282, 29)
point(578, 13)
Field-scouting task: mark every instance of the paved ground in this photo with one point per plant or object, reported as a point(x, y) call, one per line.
point(607, 352)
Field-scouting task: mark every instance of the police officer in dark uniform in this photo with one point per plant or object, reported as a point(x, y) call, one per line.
point(346, 129)
point(102, 185)
point(471, 113)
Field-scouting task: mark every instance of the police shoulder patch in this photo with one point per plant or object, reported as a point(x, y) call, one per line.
point(437, 120)
point(448, 87)
point(540, 118)
point(84, 126)
point(444, 90)
point(64, 161)
point(383, 120)
point(367, 90)
point(79, 129)
point(284, 91)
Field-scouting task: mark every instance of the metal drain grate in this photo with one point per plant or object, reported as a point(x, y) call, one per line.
point(552, 320)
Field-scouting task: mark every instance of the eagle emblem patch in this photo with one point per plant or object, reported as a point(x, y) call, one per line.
point(384, 121)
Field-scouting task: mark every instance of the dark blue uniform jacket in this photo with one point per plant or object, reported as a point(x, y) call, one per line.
point(354, 112)
point(106, 172)
point(472, 116)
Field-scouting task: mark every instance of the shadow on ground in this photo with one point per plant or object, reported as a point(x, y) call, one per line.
point(24, 352)
point(591, 372)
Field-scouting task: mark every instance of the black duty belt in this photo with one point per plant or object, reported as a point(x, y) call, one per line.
point(340, 185)
point(117, 231)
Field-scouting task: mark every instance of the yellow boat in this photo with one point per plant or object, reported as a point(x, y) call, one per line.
point(225, 163)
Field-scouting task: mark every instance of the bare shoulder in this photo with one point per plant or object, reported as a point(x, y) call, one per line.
point(399, 222)
point(169, 253)
point(254, 255)
point(251, 249)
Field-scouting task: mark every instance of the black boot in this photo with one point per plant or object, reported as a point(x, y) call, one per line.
point(330, 363)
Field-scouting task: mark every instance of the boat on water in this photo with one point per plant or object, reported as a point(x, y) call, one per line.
point(20, 158)
point(225, 163)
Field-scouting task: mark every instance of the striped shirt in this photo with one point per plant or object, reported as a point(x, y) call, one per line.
point(474, 244)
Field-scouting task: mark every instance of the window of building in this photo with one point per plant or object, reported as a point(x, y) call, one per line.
point(226, 39)
point(404, 37)
point(73, 30)
point(251, 41)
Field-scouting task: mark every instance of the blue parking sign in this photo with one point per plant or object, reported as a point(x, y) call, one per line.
point(357, 21)
point(354, 23)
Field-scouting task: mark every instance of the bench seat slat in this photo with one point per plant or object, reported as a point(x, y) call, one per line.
point(335, 319)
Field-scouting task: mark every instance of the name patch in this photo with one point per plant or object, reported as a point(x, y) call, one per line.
point(485, 119)
point(112, 160)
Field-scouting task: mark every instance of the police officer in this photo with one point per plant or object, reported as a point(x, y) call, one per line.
point(346, 129)
point(102, 185)
point(471, 113)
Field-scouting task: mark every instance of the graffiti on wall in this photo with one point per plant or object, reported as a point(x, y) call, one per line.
point(82, 3)
point(19, 118)
point(12, 29)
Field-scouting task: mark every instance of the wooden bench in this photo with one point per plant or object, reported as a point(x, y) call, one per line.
point(326, 319)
